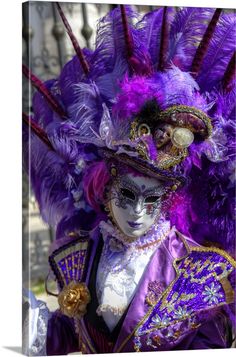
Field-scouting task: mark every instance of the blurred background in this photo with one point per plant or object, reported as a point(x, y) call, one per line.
point(46, 48)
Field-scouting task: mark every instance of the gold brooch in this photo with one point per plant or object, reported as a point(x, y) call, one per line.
point(73, 299)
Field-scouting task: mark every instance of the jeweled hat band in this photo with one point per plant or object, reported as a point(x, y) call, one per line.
point(143, 166)
point(188, 117)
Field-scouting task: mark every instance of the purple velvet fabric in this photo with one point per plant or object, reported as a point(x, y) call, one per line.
point(210, 335)
point(61, 335)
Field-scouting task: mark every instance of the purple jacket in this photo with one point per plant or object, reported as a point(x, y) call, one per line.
point(178, 305)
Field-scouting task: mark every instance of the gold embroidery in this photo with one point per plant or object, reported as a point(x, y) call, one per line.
point(221, 252)
point(194, 326)
point(204, 278)
point(229, 293)
point(157, 340)
point(151, 299)
point(170, 303)
point(175, 299)
point(145, 316)
point(177, 334)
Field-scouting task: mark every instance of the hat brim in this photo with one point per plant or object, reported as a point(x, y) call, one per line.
point(145, 167)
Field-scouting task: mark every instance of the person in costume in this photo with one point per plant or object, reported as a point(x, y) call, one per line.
point(131, 157)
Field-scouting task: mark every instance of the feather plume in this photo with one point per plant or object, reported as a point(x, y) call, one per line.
point(225, 103)
point(37, 130)
point(204, 207)
point(229, 73)
point(43, 113)
point(71, 74)
point(186, 31)
point(39, 85)
point(53, 175)
point(203, 45)
point(74, 41)
point(110, 46)
point(209, 209)
point(109, 84)
point(219, 53)
point(127, 34)
point(150, 30)
point(86, 112)
point(164, 41)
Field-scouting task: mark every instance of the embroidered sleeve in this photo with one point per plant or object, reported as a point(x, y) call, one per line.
point(200, 289)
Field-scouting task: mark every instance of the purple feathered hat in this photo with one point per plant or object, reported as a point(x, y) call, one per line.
point(158, 94)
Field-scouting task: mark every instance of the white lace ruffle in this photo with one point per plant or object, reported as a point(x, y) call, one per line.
point(35, 326)
point(120, 270)
point(117, 311)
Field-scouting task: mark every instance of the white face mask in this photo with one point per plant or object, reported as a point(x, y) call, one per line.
point(135, 203)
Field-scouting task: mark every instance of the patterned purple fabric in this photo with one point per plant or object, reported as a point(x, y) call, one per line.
point(101, 341)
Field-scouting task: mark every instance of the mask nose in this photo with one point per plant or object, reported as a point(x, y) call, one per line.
point(138, 208)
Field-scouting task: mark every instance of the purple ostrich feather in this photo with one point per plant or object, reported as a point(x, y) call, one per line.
point(39, 85)
point(229, 73)
point(203, 45)
point(37, 130)
point(164, 41)
point(75, 43)
point(219, 53)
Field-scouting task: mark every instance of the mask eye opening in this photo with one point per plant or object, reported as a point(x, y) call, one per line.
point(151, 199)
point(127, 193)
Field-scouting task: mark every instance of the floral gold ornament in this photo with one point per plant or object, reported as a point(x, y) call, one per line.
point(74, 299)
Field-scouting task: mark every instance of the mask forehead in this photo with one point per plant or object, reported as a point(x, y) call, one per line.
point(142, 184)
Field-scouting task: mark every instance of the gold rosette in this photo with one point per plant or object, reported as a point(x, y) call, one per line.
point(73, 299)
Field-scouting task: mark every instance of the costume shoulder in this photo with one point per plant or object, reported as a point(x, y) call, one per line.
point(201, 287)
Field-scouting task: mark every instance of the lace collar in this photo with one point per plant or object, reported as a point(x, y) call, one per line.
point(158, 231)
